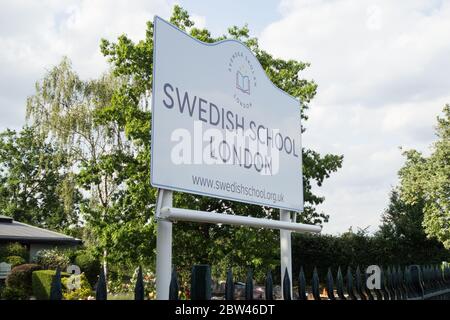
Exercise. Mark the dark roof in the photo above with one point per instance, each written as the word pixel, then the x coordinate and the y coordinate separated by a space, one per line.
pixel 11 230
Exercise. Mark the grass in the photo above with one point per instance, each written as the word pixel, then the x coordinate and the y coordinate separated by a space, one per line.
pixel 121 296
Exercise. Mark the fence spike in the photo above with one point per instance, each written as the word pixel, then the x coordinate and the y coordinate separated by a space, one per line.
pixel 400 284
pixel 446 275
pixel 340 285
pixel 359 284
pixel 269 286
pixel 416 280
pixel 350 291
pixel 315 285
pixel 229 286
pixel 379 293
pixel 201 282
pixel 383 289
pixel 330 285
pixel 174 288
pixel 100 290
pixel 249 285
pixel 56 288
pixel 286 285
pixel 407 282
pixel 366 290
pixel 439 276
pixel 302 285
pixel 139 292
pixel 390 283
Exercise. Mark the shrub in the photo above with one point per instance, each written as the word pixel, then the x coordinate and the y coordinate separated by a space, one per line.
pixel 13 249
pixel 42 282
pixel 15 260
pixel 72 253
pixel 52 259
pixel 2 287
pixel 9 293
pixel 80 289
pixel 89 265
pixel 20 278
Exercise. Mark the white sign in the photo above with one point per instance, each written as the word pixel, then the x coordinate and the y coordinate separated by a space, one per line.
pixel 220 127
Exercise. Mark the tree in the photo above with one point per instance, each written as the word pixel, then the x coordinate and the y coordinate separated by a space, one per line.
pixel 402 220
pixel 72 113
pixel 402 236
pixel 35 185
pixel 213 244
pixel 427 180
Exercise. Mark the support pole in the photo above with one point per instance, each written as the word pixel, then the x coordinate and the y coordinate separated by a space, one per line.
pixel 178 214
pixel 163 246
pixel 285 248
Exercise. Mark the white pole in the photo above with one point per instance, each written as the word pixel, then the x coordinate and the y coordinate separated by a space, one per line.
pixel 179 214
pixel 163 247
pixel 285 248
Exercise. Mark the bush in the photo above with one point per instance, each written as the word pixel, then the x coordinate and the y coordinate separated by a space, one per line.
pixel 13 249
pixel 52 259
pixel 42 282
pixel 20 278
pixel 2 287
pixel 9 293
pixel 80 289
pixel 15 260
pixel 89 265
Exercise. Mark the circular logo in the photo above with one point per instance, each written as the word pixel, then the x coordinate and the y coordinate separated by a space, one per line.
pixel 244 79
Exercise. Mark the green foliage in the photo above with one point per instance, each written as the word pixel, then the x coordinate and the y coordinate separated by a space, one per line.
pixel 426 180
pixel 20 278
pixel 403 221
pixel 89 265
pixel 13 249
pixel 42 281
pixel 81 291
pixel 353 249
pixel 9 293
pixel 15 260
pixel 52 259
pixel 33 179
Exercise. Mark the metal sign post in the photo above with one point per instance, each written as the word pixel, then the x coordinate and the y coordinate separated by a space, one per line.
pixel 166 214
pixel 163 246
pixel 285 249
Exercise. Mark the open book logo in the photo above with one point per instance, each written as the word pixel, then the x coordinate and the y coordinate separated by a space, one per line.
pixel 242 82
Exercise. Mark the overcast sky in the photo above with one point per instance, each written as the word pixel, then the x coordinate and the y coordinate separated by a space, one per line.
pixel 383 70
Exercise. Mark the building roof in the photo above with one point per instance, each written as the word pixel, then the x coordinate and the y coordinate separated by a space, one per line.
pixel 11 230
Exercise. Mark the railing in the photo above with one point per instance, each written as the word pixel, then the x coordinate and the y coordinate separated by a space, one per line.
pixel 411 283
pixel 396 283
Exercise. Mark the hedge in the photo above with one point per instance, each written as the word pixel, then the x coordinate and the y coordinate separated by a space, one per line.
pixel 42 281
pixel 323 251
pixel 20 278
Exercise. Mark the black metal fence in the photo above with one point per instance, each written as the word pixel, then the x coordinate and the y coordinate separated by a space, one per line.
pixel 409 283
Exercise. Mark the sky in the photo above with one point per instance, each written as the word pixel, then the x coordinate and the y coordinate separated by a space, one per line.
pixel 382 69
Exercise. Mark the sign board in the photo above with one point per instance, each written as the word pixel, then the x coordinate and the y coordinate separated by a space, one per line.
pixel 220 127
